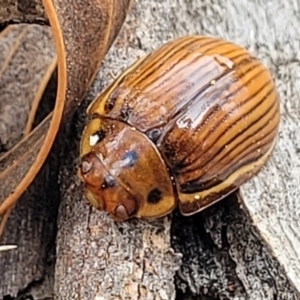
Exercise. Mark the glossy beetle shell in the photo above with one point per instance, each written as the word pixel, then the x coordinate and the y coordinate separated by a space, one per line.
pixel 187 124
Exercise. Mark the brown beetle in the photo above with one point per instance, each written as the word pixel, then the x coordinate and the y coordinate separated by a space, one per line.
pixel 188 123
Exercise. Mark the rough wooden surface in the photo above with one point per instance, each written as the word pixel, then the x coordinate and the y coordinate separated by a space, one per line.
pixel 270 30
pixel 16 11
pixel 97 258
pixel 29 56
pixel 223 256
pixel 26 54
pixel 219 254
pixel 277 212
pixel 32 224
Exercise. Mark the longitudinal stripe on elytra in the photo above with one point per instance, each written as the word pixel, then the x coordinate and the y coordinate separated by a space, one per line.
pixel 191 64
pixel 214 96
pixel 196 184
pixel 211 114
pixel 245 158
pixel 171 62
pixel 212 157
pixel 135 93
pixel 272 109
pixel 195 74
pixel 218 92
pixel 159 86
pixel 161 59
pixel 153 64
pixel 253 148
pixel 177 86
pixel 185 87
pixel 246 140
pixel 214 165
pixel 222 133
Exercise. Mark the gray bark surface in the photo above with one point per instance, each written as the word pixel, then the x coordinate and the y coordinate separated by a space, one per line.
pixel 219 253
pixel 27 11
pixel 270 30
pixel 28 53
pixel 96 257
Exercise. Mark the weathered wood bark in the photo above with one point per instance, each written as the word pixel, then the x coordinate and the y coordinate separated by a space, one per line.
pixel 220 253
pixel 27 11
pixel 223 256
pixel 270 30
pixel 97 258
pixel 28 59
pixel 80 52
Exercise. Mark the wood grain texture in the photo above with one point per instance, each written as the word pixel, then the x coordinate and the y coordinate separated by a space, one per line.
pixel 19 83
pixel 32 226
pixel 226 258
pixel 41 198
pixel 97 258
pixel 271 197
pixel 94 29
pixel 27 11
pixel 223 255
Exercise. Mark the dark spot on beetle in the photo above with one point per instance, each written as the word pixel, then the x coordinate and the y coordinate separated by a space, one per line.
pixel 154 134
pixel 108 182
pixel 111 101
pixel 125 112
pixel 154 196
pixel 169 151
pixel 195 186
pixel 109 105
pixel 130 158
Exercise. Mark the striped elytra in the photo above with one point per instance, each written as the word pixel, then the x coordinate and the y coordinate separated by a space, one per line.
pixel 187 124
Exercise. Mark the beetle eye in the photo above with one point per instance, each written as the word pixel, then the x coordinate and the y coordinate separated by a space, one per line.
pixel 108 182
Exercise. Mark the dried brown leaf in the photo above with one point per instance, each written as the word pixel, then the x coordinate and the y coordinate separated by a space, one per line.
pixel 27 57
pixel 28 60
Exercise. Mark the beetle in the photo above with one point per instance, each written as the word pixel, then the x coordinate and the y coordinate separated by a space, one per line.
pixel 185 125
